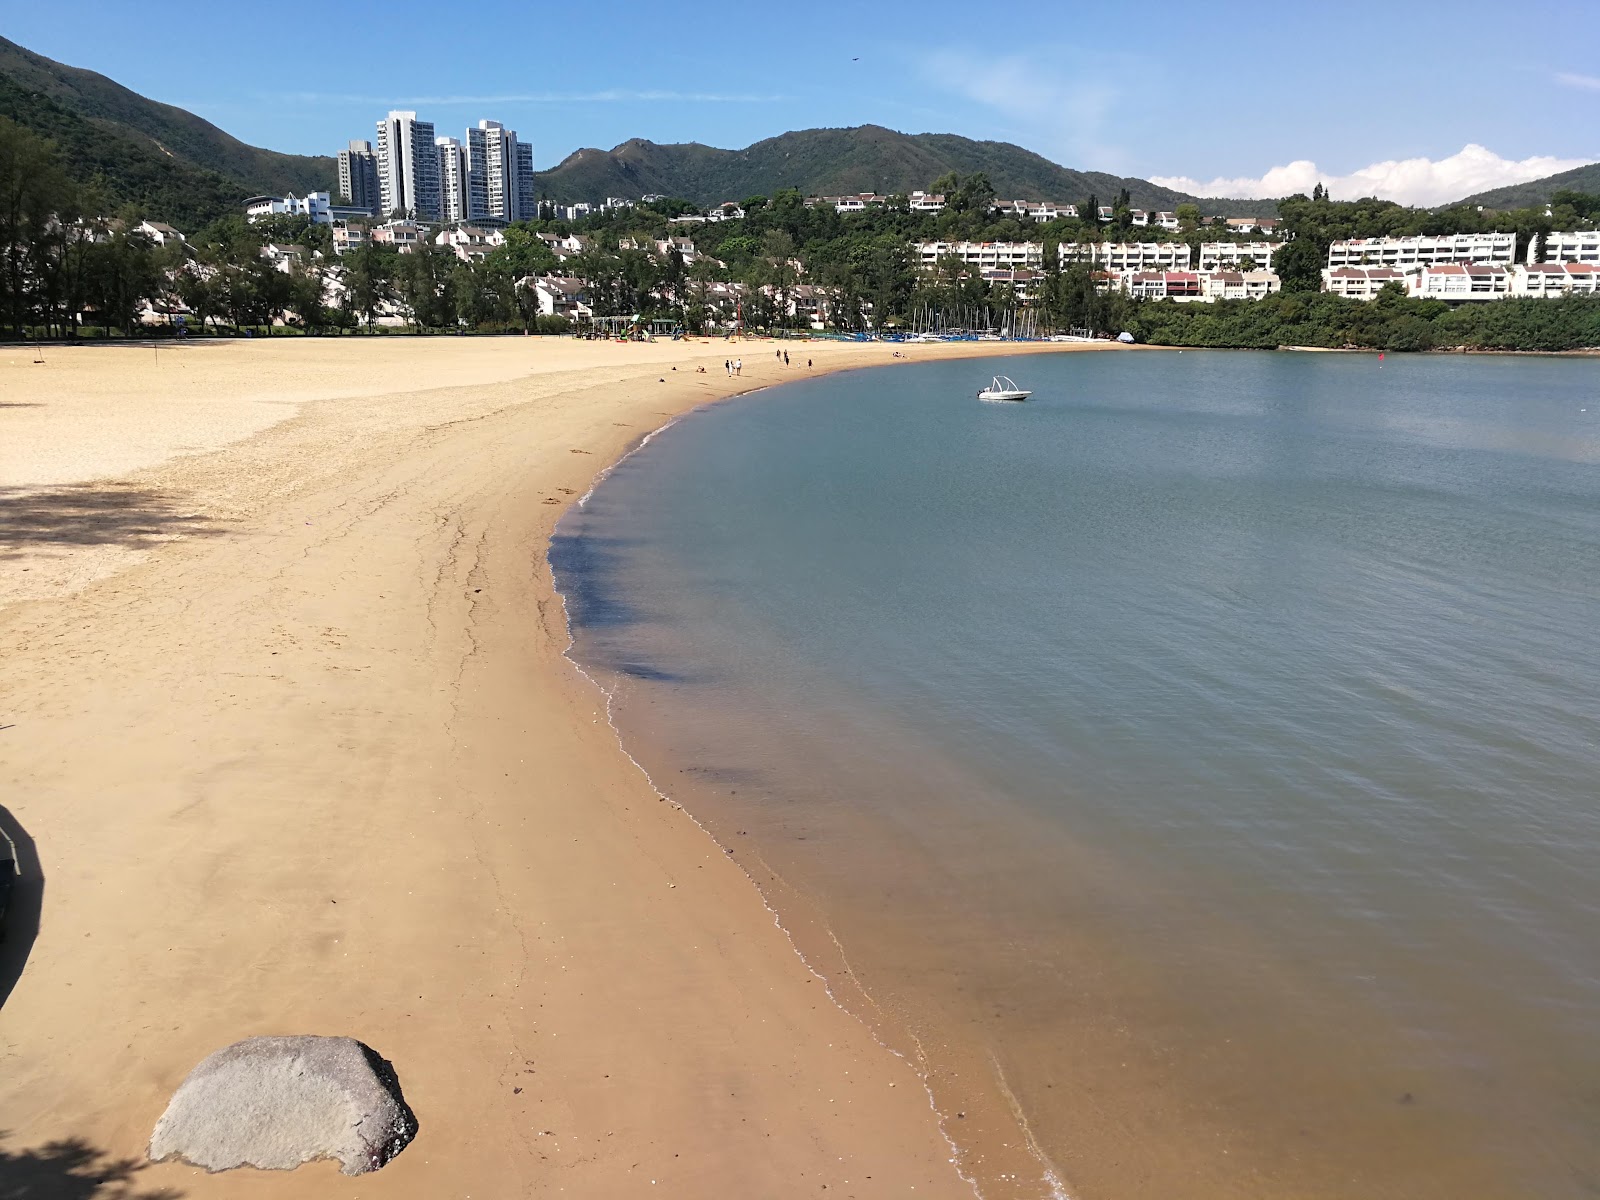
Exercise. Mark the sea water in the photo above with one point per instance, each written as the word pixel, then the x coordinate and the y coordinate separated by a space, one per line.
pixel 1195 769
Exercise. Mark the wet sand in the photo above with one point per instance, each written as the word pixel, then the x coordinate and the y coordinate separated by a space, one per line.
pixel 288 722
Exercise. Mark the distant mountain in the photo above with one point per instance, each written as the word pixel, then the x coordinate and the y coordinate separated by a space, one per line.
pixel 178 167
pixel 1539 191
pixel 162 159
pixel 867 158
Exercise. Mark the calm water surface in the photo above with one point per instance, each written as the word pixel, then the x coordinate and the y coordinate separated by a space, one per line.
pixel 1197 763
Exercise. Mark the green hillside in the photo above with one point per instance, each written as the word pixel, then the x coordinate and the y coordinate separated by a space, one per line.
pixel 1539 191
pixel 163 160
pixel 867 158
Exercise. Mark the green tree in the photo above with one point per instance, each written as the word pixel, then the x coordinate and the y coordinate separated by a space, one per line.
pixel 1299 265
pixel 36 203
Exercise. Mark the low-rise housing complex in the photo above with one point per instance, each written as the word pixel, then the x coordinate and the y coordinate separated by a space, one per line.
pixel 1555 279
pixel 1577 247
pixel 1161 220
pixel 992 255
pixel 1460 281
pixel 1360 283
pixel 1162 285
pixel 1239 285
pixel 1232 256
pixel 1122 257
pixel 1424 250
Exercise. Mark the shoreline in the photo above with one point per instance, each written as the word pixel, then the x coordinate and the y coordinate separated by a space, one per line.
pixel 295 759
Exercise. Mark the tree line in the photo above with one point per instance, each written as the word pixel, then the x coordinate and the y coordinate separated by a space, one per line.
pixel 66 267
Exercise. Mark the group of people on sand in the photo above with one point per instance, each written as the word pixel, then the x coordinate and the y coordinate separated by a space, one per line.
pixel 735 366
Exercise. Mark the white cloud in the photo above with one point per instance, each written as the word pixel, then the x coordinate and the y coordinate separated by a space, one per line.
pixel 1419 181
pixel 1590 83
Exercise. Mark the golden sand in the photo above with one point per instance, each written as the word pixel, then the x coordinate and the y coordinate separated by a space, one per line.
pixel 287 718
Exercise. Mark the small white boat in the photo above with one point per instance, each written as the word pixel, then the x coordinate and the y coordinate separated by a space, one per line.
pixel 1003 389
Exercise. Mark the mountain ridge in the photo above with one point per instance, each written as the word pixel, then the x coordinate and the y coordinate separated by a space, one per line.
pixel 1539 191
pixel 170 163
pixel 141 151
pixel 834 161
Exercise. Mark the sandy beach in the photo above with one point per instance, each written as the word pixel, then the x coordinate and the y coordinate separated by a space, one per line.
pixel 290 745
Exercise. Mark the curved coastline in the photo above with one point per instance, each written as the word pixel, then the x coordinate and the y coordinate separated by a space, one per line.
pixel 1000 1176
pixel 339 782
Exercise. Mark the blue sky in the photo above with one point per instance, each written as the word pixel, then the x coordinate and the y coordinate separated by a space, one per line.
pixel 1218 94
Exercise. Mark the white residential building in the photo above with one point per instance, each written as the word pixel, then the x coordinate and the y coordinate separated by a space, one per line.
pixel 315 205
pixel 1162 285
pixel 1424 251
pixel 1579 247
pixel 1252 224
pixel 926 202
pixel 1239 285
pixel 1460 282
pixel 984 255
pixel 848 204
pixel 1360 283
pixel 160 233
pixel 1551 279
pixel 685 248
pixel 348 236
pixel 455 192
pixel 470 243
pixel 286 258
pixel 403 234
pixel 1230 256
pixel 1122 257
pixel 358 177
pixel 1038 211
pixel 501 166
pixel 560 296
pixel 408 167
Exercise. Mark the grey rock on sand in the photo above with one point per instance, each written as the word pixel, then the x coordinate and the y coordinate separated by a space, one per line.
pixel 278 1102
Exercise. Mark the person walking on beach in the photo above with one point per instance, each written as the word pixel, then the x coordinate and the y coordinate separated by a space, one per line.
pixel 727 365
pixel 786 358
pixel 808 364
pixel 738 366
pixel 777 354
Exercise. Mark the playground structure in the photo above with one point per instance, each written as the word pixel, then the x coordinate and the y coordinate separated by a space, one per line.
pixel 634 328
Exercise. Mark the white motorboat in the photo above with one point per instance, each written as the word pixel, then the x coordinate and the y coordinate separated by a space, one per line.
pixel 1003 389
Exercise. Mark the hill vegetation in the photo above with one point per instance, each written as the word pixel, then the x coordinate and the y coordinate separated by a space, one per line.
pixel 867 158
pixel 161 160
pixel 1539 191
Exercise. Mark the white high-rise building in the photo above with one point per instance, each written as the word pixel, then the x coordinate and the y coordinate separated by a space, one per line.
pixel 502 169
pixel 408 166
pixel 454 181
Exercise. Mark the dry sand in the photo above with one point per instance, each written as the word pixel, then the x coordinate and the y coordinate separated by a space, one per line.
pixel 286 717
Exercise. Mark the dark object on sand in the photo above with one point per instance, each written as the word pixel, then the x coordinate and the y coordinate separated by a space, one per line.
pixel 8 876
pixel 278 1102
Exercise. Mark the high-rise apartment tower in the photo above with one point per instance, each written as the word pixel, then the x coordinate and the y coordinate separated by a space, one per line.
pixel 408 167
pixel 358 177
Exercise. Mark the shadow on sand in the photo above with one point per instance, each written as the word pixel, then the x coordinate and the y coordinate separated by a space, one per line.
pixel 21 903
pixel 72 1170
pixel 92 515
